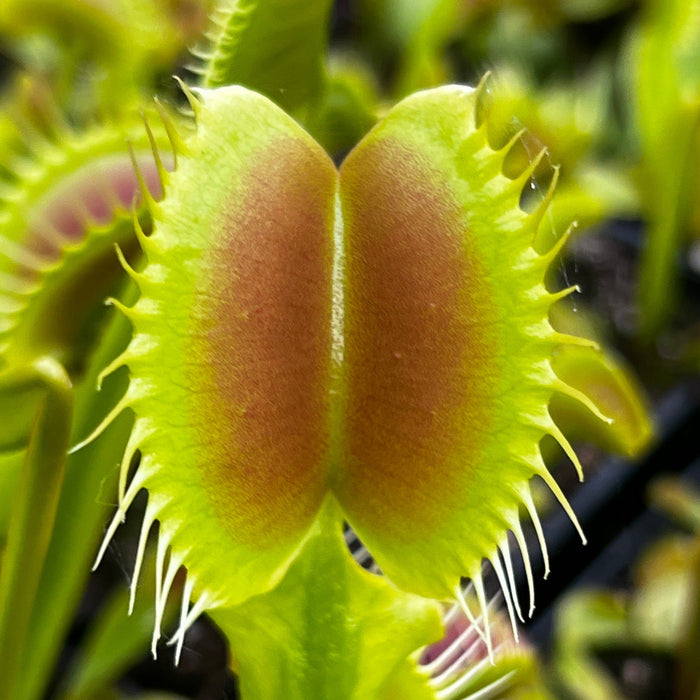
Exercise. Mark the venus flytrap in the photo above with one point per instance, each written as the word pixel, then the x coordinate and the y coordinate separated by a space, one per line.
pixel 312 345
pixel 67 198
pixel 68 204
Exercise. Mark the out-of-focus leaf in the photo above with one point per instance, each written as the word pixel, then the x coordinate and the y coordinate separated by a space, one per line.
pixel 10 471
pixel 347 110
pixel 677 501
pixel 124 42
pixel 88 495
pixel 586 620
pixel 658 613
pixel 154 696
pixel 275 47
pixel 566 121
pixel 610 385
pixel 32 518
pixel 688 675
pixel 22 389
pixel 588 196
pixel 591 10
pixel 664 73
pixel 411 35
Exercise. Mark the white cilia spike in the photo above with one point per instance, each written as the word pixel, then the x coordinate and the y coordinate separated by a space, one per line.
pixel 483 605
pixel 546 259
pixel 146 524
pixel 582 398
pixel 526 496
pixel 195 68
pixel 125 264
pixel 507 558
pixel 163 174
pixel 174 564
pixel 191 97
pixel 461 599
pixel 456 665
pixel 117 363
pixel 482 85
pixel 566 339
pixel 148 198
pixel 177 143
pixel 557 434
pixel 522 546
pixel 443 663
pixel 141 237
pixel 543 206
pixel 186 596
pixel 123 403
pixel 492 690
pixel 115 522
pixel 161 552
pixel 454 609
pixel 553 297
pixel 202 52
pixel 503 583
pixel 463 678
pixel 138 433
pixel 10 304
pixel 518 183
pixel 515 138
pixel 118 518
pixel 122 308
pixel 20 255
pixel 563 501
pixel 203 603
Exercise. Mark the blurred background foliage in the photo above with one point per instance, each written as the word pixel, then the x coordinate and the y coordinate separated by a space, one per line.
pixel 607 90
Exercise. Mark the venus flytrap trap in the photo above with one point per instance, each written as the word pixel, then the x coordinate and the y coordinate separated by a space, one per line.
pixel 69 204
pixel 314 349
pixel 312 346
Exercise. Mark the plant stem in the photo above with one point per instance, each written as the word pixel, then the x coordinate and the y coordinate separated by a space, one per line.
pixel 33 516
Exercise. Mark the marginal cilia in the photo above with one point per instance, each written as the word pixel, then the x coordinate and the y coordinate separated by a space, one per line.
pixel 67 199
pixel 376 335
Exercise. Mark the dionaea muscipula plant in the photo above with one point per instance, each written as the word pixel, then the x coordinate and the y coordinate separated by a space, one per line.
pixel 315 345
pixel 69 203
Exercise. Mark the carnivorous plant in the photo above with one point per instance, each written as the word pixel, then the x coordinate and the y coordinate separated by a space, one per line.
pixel 318 352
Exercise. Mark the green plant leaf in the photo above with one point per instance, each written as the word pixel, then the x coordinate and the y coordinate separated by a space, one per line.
pixel 347 110
pixel 275 47
pixel 329 629
pixel 10 472
pixel 126 42
pixel 587 620
pixel 62 214
pixel 88 493
pixel 22 389
pixel 608 381
pixel 591 194
pixel 616 392
pixel 411 35
pixel 664 74
pixel 32 518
